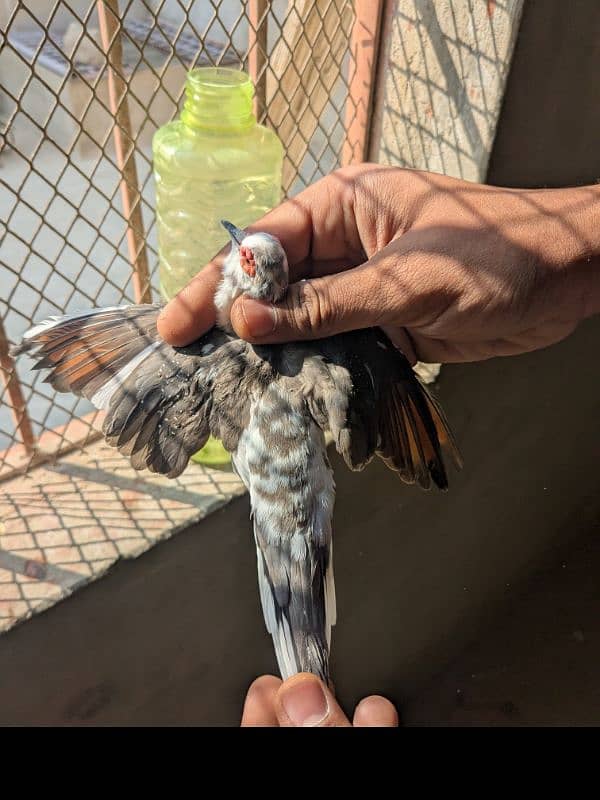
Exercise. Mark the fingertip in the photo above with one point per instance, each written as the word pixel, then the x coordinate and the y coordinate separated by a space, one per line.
pixel 177 332
pixel 168 327
pixel 302 702
pixel 264 683
pixel 375 712
pixel 238 320
pixel 259 706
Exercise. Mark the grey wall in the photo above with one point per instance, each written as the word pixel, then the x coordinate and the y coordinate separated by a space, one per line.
pixel 549 131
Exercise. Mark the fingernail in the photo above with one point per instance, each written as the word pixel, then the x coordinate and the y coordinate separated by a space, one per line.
pixel 305 702
pixel 260 318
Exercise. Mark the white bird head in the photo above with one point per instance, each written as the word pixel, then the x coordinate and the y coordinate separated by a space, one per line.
pixel 257 263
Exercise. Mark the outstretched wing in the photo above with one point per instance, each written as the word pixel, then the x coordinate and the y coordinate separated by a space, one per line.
pixel 365 392
pixel 161 402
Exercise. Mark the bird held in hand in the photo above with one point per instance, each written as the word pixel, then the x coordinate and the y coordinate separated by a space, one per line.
pixel 270 405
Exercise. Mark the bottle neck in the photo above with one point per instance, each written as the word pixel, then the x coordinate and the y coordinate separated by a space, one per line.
pixel 218 100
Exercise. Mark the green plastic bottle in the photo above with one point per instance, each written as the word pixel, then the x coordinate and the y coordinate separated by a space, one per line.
pixel 215 162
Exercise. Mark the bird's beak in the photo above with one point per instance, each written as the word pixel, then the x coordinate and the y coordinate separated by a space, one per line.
pixel 237 235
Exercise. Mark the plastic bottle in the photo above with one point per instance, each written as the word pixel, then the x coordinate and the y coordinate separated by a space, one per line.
pixel 215 162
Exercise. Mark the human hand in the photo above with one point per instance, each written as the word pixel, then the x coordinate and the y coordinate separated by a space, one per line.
pixel 452 271
pixel 303 701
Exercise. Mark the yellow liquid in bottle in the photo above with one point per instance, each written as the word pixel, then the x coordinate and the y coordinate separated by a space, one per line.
pixel 214 162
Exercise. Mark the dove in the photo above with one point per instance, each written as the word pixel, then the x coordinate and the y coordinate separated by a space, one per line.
pixel 271 406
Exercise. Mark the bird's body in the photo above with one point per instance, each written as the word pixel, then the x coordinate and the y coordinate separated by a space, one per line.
pixel 270 405
pixel 282 460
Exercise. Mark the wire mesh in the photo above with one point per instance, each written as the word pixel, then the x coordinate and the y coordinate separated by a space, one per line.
pixel 83 87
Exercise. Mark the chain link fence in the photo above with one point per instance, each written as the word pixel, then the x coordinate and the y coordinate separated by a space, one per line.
pixel 84 86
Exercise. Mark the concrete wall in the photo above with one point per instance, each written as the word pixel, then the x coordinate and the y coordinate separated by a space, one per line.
pixel 443 69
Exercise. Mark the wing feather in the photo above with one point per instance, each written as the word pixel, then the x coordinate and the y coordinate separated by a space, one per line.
pixel 159 400
pixel 387 410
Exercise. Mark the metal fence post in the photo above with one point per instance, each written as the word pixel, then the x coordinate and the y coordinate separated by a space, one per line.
pixel 17 401
pixel 364 48
pixel 257 53
pixel 110 34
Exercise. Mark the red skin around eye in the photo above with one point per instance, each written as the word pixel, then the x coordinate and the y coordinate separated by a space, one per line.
pixel 247 261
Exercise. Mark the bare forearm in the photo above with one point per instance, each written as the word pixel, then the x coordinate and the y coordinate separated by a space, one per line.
pixel 572 245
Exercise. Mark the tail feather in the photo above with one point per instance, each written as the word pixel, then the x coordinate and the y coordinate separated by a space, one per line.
pixel 298 614
pixel 330 598
pixel 277 623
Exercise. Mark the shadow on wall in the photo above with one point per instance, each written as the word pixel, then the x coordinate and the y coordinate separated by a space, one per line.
pixel 448 103
pixel 442 79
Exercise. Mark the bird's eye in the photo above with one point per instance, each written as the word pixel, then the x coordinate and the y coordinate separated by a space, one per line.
pixel 247 262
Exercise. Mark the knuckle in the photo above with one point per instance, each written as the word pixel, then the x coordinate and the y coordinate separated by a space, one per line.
pixel 311 309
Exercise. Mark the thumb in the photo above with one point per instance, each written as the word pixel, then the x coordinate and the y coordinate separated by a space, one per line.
pixel 313 309
pixel 305 702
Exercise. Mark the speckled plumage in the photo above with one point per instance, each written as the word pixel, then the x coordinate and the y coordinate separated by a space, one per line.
pixel 270 406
